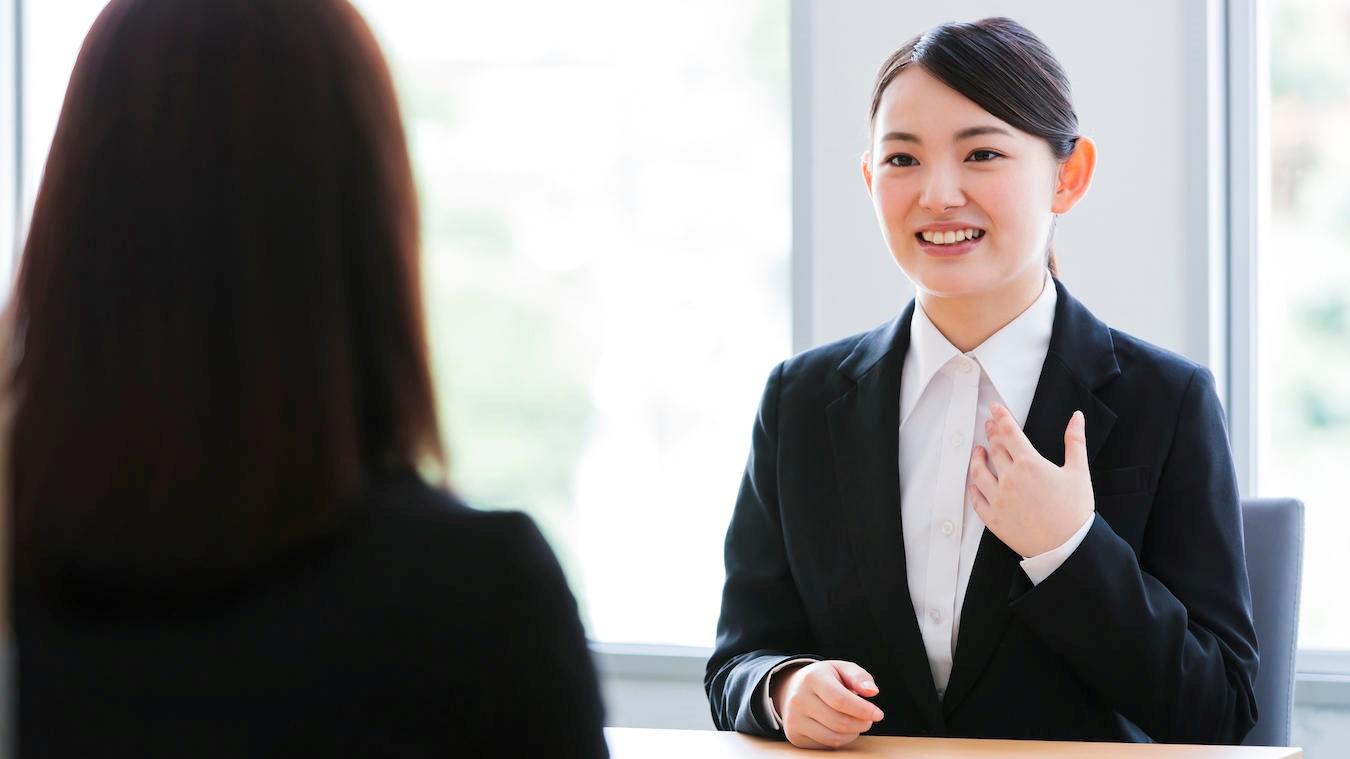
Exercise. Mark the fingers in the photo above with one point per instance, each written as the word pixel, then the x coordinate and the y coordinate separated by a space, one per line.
pixel 846 702
pixel 999 458
pixel 811 734
pixel 981 478
pixel 979 501
pixel 800 740
pixel 823 735
pixel 834 719
pixel 826 712
pixel 855 678
pixel 1003 430
pixel 1075 442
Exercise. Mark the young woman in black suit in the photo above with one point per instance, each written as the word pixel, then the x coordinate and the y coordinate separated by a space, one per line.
pixel 993 516
pixel 222 542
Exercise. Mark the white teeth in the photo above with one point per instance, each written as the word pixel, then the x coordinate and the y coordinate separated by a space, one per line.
pixel 947 238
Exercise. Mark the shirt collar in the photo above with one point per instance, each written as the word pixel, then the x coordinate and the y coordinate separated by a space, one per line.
pixel 1011 358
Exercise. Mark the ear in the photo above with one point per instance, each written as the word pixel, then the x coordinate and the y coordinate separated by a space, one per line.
pixel 1075 174
pixel 867 170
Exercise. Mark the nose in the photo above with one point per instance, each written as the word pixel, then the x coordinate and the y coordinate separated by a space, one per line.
pixel 942 191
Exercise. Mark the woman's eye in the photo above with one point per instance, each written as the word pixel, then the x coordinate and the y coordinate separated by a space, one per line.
pixel 901 159
pixel 989 156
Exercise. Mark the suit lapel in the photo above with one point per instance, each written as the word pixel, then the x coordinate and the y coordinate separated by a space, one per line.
pixel 865 439
pixel 1080 360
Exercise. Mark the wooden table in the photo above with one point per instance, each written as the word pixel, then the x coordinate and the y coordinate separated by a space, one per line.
pixel 635 743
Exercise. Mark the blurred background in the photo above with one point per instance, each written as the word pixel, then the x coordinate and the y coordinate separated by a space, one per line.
pixel 632 210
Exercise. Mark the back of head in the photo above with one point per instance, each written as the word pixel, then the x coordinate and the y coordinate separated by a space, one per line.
pixel 219 305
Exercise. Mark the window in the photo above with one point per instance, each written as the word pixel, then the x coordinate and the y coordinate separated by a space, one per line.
pixel 606 209
pixel 1303 284
pixel 52 35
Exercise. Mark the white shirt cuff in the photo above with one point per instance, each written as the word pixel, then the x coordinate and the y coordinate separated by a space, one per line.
pixel 775 720
pixel 1043 565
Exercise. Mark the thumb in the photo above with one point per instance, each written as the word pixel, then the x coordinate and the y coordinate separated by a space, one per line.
pixel 1075 442
pixel 855 678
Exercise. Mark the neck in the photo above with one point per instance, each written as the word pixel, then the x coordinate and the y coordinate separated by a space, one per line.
pixel 968 320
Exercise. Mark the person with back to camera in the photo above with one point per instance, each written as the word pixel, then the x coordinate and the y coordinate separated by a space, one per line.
pixel 994 516
pixel 223 541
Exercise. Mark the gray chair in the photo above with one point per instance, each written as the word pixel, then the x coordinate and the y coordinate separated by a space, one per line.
pixel 1273 529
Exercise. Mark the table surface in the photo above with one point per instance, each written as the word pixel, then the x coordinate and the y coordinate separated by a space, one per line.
pixel 637 743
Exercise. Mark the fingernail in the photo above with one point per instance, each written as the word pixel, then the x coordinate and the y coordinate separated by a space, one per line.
pixel 869 685
pixel 879 716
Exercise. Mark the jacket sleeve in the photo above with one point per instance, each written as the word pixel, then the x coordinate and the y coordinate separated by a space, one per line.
pixel 1166 638
pixel 553 705
pixel 763 621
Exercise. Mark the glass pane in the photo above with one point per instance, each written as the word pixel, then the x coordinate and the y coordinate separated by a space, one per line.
pixel 1304 286
pixel 52 35
pixel 606 211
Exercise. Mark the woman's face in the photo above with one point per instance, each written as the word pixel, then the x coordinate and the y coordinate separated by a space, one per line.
pixel 939 163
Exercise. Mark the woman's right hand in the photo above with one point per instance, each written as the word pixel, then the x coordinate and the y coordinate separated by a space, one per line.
pixel 822 704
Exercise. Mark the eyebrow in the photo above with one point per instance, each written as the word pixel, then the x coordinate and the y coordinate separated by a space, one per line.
pixel 964 134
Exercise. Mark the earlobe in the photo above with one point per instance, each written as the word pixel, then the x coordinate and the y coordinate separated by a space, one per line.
pixel 1075 175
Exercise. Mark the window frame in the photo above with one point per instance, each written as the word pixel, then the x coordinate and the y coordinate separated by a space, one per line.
pixel 1322 676
pixel 11 133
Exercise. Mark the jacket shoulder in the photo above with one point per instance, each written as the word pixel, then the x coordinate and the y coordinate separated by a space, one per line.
pixel 818 367
pixel 1145 361
pixel 426 519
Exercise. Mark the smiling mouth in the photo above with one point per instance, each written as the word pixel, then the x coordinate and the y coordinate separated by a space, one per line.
pixel 953 237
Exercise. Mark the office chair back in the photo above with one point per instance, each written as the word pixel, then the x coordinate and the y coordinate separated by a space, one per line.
pixel 1274 541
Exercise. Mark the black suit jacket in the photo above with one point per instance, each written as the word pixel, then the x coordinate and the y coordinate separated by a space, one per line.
pixel 423 629
pixel 1144 632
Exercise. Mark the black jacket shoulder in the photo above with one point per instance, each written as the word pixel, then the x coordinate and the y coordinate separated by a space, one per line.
pixel 423 628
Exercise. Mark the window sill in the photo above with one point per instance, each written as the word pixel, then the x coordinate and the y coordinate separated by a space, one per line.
pixel 1323 679
pixel 639 661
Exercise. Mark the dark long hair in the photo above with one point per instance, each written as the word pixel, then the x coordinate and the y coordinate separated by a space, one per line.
pixel 1000 66
pixel 220 332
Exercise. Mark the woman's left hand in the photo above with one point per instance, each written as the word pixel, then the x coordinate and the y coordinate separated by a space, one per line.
pixel 1031 505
